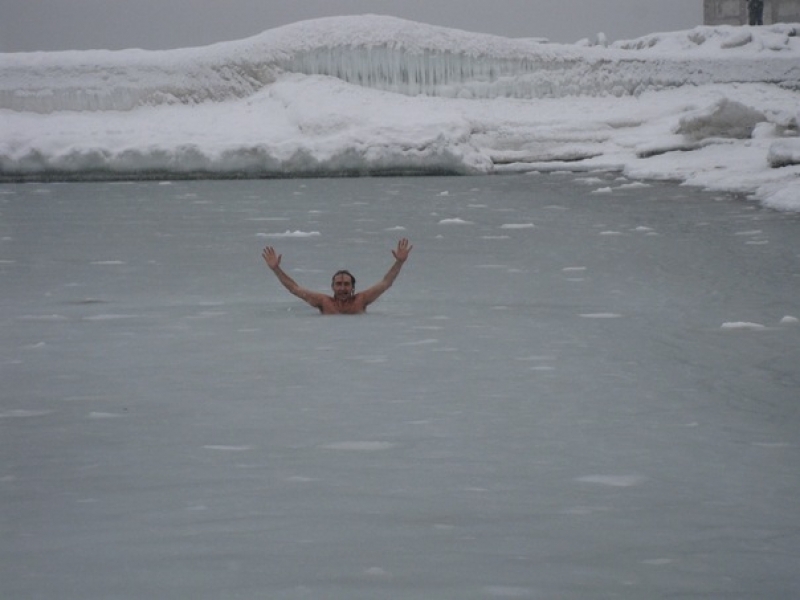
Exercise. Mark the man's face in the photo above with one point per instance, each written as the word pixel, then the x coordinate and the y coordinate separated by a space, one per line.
pixel 342 286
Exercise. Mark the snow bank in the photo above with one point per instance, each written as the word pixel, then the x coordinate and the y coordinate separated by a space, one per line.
pixel 393 54
pixel 713 106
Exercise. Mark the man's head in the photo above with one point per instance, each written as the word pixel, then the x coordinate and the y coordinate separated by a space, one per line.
pixel 343 284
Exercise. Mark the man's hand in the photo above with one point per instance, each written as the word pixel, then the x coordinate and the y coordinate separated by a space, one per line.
pixel 272 259
pixel 402 252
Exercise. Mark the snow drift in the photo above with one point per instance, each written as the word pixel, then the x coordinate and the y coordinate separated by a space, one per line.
pixel 371 94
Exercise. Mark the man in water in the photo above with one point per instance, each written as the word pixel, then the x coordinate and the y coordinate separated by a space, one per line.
pixel 345 300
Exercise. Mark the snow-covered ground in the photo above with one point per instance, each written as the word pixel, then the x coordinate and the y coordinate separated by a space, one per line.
pixel 715 107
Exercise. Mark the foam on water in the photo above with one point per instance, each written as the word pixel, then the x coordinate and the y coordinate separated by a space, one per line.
pixel 743 325
pixel 21 413
pixel 290 234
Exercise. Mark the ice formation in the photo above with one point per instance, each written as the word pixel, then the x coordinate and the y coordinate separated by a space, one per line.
pixel 395 55
pixel 373 94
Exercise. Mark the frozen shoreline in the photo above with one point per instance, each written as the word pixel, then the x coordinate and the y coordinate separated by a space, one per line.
pixel 714 107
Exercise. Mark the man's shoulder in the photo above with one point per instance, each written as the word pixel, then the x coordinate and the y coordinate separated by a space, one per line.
pixel 360 299
pixel 324 299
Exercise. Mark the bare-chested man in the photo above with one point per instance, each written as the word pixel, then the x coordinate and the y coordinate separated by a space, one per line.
pixel 345 300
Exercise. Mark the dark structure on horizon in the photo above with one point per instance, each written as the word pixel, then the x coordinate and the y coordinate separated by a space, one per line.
pixel 734 12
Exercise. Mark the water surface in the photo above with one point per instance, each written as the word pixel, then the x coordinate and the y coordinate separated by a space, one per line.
pixel 566 394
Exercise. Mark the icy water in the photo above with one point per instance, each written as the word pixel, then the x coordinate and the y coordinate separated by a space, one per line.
pixel 566 395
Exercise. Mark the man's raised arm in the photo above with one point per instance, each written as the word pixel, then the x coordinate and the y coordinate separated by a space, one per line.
pixel 273 261
pixel 400 255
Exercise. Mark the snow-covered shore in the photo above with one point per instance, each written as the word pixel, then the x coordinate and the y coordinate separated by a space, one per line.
pixel 716 107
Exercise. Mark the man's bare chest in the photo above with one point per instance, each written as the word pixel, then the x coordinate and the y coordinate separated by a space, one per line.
pixel 343 307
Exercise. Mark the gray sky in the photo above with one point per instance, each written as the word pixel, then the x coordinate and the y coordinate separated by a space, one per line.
pixel 29 25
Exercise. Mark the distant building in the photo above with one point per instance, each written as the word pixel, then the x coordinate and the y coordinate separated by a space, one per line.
pixel 734 12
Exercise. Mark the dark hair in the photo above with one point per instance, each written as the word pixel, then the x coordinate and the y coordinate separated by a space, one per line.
pixel 344 272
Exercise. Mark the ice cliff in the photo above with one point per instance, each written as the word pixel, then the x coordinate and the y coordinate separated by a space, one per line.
pixel 713 106
pixel 395 55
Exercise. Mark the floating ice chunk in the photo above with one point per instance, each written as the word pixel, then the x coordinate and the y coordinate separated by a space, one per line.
pixel 424 342
pixel 743 325
pixel 781 197
pixel 455 221
pixel 634 185
pixel 573 269
pixel 395 228
pixel 603 190
pixel 517 226
pixel 289 234
pixel 20 413
pixel 790 320
pixel 109 317
pixel 610 233
pixel 613 480
pixel 107 262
